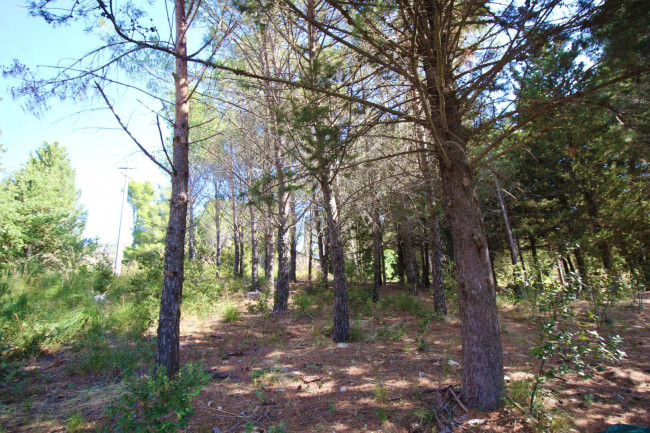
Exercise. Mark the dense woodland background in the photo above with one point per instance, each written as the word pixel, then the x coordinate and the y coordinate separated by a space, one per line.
pixel 386 172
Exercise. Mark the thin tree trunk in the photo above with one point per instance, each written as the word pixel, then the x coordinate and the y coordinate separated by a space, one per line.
pixel 310 245
pixel 168 345
pixel 582 267
pixel 506 220
pixel 409 256
pixel 565 264
pixel 255 284
pixel 382 255
pixel 424 253
pixel 217 223
pixel 341 331
pixel 533 251
pixel 191 239
pixel 435 262
pixel 235 230
pixel 521 254
pixel 572 268
pixel 376 251
pixel 269 250
pixel 281 296
pixel 435 249
pixel 322 248
pixel 560 274
pixel 294 241
pixel 241 254
pixel 400 255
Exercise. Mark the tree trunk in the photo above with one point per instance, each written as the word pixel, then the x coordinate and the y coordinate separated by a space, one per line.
pixel 582 267
pixel 482 358
pixel 409 255
pixel 241 254
pixel 294 241
pixel 322 248
pixel 435 263
pixel 506 220
pixel 341 332
pixel 281 296
pixel 217 223
pixel 424 253
pixel 533 252
pixel 310 245
pixel 382 255
pixel 376 254
pixel 521 255
pixel 235 230
pixel 400 254
pixel 191 239
pixel 255 284
pixel 269 250
pixel 168 345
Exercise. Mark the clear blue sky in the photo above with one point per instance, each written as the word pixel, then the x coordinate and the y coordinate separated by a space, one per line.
pixel 96 145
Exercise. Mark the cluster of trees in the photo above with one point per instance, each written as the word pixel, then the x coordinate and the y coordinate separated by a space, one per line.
pixel 365 126
pixel 41 219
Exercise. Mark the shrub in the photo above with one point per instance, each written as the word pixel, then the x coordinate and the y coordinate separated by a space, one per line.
pixel 303 303
pixel 230 313
pixel 155 403
pixel 572 349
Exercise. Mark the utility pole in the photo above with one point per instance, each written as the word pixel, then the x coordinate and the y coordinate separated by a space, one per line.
pixel 117 266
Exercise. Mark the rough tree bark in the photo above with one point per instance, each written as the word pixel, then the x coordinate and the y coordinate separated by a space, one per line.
pixel 424 253
pixel 399 245
pixel 376 253
pixel 293 241
pixel 269 251
pixel 341 332
pixel 255 284
pixel 309 243
pixel 217 224
pixel 235 228
pixel 241 253
pixel 409 255
pixel 322 248
pixel 281 296
pixel 168 345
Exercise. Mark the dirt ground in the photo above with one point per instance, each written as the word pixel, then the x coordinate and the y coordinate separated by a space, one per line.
pixel 282 370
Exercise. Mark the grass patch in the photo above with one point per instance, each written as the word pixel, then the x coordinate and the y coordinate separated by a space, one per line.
pixel 230 313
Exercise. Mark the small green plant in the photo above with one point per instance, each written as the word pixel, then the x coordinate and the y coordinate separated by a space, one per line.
pixel 382 414
pixel 261 394
pixel 381 394
pixel 230 313
pixel 265 375
pixel 425 415
pixel 333 406
pixel 391 333
pixel 573 349
pixel 280 428
pixel 356 332
pixel 589 398
pixel 422 344
pixel 156 403
pixel 74 424
pixel 303 303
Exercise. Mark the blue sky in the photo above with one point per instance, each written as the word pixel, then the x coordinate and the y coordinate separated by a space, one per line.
pixel 96 145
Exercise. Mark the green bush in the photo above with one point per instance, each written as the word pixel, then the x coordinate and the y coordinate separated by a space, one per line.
pixel 155 403
pixel 230 313
pixel 303 303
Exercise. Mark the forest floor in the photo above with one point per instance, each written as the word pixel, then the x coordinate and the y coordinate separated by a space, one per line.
pixel 281 373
